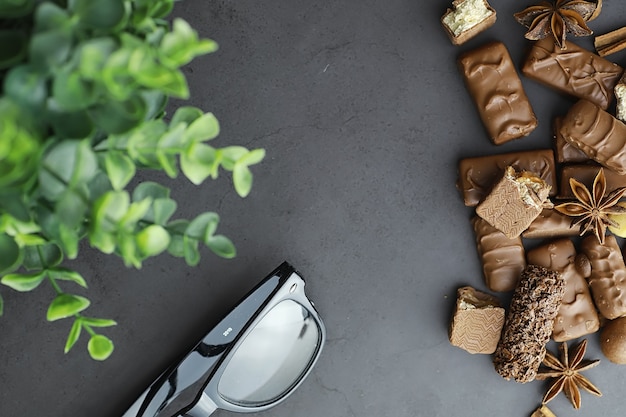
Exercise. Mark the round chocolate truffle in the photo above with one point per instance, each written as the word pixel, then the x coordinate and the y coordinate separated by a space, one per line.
pixel 613 340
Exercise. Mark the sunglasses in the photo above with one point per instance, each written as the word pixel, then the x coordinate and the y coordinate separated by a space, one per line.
pixel 251 361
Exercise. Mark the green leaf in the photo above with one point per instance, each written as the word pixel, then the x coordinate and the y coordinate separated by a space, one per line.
pixel 101 14
pixel 68 239
pixel 67 164
pixel 177 231
pixel 253 157
pixel 13 203
pixel 71 208
pixel 161 211
pixel 50 16
pixel 42 257
pixel 100 347
pixel 24 282
pixel 185 115
pixel 66 274
pixel 181 45
pixel 93 54
pixel 222 246
pixel 198 162
pixel 94 322
pixel 190 251
pixel 136 212
pixel 203 227
pixel 72 338
pixel 109 210
pixel 128 250
pixel 50 49
pixel 150 189
pixel 11 254
pixel 68 125
pixel 231 154
pixel 71 92
pixel 105 241
pixel 242 179
pixel 27 86
pixel 156 102
pixel 66 305
pixel 205 127
pixel 30 240
pixel 120 168
pixel 119 116
pixel 152 240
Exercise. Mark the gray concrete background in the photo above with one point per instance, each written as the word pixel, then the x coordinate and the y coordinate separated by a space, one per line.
pixel 364 117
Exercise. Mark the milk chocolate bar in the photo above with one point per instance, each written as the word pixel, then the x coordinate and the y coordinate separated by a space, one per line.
pixel 574 71
pixel 566 153
pixel 577 315
pixel 608 275
pixel 597 133
pixel 514 202
pixel 586 174
pixel 477 321
pixel 466 19
pixel 478 175
pixel 549 224
pixel 493 83
pixel 503 259
pixel 529 323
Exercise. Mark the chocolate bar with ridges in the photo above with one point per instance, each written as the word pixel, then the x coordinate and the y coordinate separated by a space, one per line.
pixel 478 175
pixel 493 83
pixel 597 133
pixel 586 173
pixel 566 153
pixel 608 275
pixel 503 259
pixel 577 315
pixel 549 224
pixel 573 71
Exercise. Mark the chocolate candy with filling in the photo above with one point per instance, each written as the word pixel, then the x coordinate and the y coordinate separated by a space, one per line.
pixel 574 71
pixel 577 315
pixel 466 19
pixel 597 133
pixel 549 224
pixel 503 259
pixel 514 202
pixel 586 173
pixel 613 340
pixel 493 83
pixel 608 275
pixel 529 323
pixel 566 153
pixel 477 321
pixel 478 175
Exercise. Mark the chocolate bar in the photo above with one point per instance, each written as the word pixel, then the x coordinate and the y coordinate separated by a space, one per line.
pixel 549 224
pixel 598 134
pixel 529 323
pixel 608 275
pixel 493 83
pixel 514 202
pixel 503 259
pixel 574 71
pixel 466 19
pixel 477 321
pixel 586 174
pixel 577 315
pixel 478 175
pixel 565 151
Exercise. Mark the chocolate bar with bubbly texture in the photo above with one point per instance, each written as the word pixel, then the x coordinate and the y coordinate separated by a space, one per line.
pixel 503 259
pixel 477 321
pixel 586 173
pixel 608 275
pixel 529 323
pixel 478 175
pixel 493 83
pixel 577 315
pixel 514 202
pixel 597 133
pixel 549 224
pixel 574 71
pixel 566 153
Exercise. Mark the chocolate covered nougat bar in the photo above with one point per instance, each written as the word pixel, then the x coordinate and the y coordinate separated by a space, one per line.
pixel 529 323
pixel 503 259
pixel 492 80
pixel 577 315
pixel 566 153
pixel 574 71
pixel 608 275
pixel 586 173
pixel 597 133
pixel 549 224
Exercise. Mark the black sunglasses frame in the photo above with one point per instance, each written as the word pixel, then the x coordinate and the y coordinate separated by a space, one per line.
pixel 190 386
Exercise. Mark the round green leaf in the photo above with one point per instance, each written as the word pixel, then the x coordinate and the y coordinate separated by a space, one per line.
pixel 72 338
pixel 161 211
pixel 190 251
pixel 14 47
pixel 93 54
pixel 120 169
pixel 253 157
pixel 101 14
pixel 71 92
pixel 27 86
pixel 100 347
pixel 69 125
pixel 186 115
pixel 24 282
pixel 66 274
pixel 242 179
pixel 50 48
pixel 198 162
pixel 67 164
pixel 71 208
pixel 10 253
pixel 150 189
pixel 203 227
pixel 66 305
pixel 205 127
pixel 119 116
pixel 152 240
pixel 41 257
pixel 222 246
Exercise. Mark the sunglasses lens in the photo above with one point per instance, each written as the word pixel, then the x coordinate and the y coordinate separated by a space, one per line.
pixel 273 357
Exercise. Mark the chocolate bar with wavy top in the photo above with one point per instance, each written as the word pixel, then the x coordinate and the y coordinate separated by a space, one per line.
pixel 597 133
pixel 493 83
pixel 549 224
pixel 503 259
pixel 573 71
pixel 577 315
pixel 478 175
pixel 608 275
pixel 586 173
pixel 566 153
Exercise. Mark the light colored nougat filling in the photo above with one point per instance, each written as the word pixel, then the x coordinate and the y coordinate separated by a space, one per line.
pixel 467 15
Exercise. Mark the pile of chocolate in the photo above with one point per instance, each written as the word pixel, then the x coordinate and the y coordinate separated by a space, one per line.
pixel 559 291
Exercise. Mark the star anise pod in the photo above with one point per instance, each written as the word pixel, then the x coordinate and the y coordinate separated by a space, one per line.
pixel 557 18
pixel 566 373
pixel 594 207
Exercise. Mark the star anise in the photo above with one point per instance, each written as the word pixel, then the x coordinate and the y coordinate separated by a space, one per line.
pixel 594 207
pixel 566 373
pixel 557 18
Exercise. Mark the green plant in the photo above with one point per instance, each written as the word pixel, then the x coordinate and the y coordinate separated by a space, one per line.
pixel 84 88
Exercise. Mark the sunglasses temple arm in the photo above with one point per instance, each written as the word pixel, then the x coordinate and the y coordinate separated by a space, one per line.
pixel 203 408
